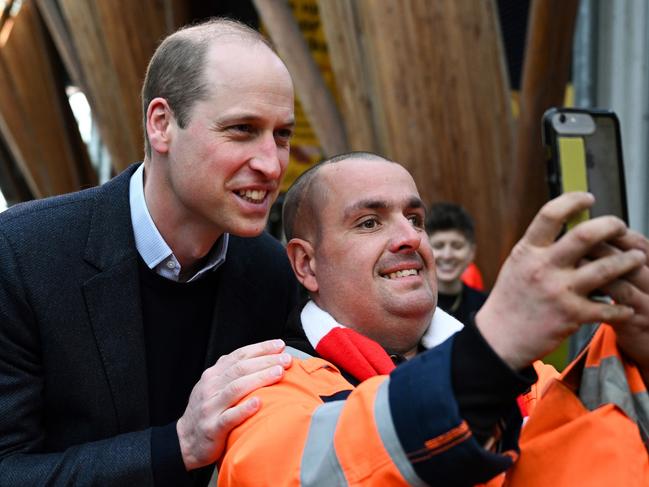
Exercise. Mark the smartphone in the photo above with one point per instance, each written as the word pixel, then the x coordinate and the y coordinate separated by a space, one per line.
pixel 584 150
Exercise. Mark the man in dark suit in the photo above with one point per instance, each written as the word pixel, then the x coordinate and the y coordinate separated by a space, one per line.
pixel 117 302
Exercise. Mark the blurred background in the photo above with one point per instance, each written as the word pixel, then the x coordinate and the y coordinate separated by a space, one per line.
pixel 452 89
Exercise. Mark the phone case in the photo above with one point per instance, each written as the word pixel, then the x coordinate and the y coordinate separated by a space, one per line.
pixel 585 157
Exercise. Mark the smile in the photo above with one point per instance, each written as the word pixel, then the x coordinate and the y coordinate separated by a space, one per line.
pixel 403 273
pixel 252 195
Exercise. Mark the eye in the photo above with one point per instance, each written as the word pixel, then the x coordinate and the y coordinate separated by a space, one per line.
pixel 416 220
pixel 370 223
pixel 283 136
pixel 242 128
pixel 284 133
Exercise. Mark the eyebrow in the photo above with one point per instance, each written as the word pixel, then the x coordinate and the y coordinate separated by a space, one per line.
pixel 248 118
pixel 376 204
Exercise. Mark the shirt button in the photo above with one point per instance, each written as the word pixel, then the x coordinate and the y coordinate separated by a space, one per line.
pixel 171 264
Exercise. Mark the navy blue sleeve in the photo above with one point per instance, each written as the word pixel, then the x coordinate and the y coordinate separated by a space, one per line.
pixel 429 420
pixel 485 387
pixel 167 461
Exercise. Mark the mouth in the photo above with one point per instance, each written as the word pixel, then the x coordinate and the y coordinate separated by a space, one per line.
pixel 252 195
pixel 446 267
pixel 400 273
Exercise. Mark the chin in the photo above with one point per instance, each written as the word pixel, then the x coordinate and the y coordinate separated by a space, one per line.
pixel 249 230
pixel 417 310
pixel 448 281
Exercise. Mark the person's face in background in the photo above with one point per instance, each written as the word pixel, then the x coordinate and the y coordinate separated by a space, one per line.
pixel 453 253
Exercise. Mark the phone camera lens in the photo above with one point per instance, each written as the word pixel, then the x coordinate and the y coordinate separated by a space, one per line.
pixel 562 118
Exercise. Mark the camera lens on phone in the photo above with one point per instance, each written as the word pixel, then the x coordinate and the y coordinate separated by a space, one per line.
pixel 562 118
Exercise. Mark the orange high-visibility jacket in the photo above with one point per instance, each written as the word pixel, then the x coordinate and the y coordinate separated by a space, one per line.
pixel 591 426
pixel 303 435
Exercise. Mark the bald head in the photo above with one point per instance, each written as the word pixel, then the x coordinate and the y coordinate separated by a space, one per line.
pixel 306 197
pixel 176 71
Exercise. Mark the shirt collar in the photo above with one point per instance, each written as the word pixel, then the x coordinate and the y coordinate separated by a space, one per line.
pixel 317 323
pixel 152 247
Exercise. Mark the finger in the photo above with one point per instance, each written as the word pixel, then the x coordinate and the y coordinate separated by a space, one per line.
pixel 217 376
pixel 236 415
pixel 268 347
pixel 638 277
pixel 597 312
pixel 219 427
pixel 549 221
pixel 582 239
pixel 632 240
pixel 623 291
pixel 603 271
pixel 236 390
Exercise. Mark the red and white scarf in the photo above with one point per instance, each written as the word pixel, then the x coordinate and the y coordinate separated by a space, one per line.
pixel 357 354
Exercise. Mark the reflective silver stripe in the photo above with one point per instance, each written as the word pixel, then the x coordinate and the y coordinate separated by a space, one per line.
pixel 641 401
pixel 607 384
pixel 320 465
pixel 295 353
pixel 388 433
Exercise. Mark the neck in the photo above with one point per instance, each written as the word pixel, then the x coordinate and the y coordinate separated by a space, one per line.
pixel 452 288
pixel 189 239
pixel 411 353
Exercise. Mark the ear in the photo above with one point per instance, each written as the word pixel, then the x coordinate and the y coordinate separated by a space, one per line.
pixel 302 258
pixel 159 119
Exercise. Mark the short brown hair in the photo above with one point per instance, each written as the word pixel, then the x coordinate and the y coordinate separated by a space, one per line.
pixel 175 71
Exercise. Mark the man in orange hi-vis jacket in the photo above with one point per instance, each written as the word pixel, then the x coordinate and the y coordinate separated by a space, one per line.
pixel 448 414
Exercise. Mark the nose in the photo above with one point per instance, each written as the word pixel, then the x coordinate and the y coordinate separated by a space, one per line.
pixel 444 252
pixel 266 159
pixel 405 238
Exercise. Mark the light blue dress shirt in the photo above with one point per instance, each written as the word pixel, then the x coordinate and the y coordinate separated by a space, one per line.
pixel 152 247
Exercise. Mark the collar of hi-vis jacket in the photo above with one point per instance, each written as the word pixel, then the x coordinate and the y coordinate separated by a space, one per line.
pixel 360 356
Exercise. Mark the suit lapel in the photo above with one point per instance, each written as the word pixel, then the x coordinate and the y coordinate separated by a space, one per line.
pixel 114 303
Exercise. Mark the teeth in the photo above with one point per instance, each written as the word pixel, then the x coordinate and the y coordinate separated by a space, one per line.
pixel 253 195
pixel 403 273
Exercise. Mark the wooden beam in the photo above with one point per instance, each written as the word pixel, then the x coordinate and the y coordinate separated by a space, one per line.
pixel 114 40
pixel 340 20
pixel 37 124
pixel 546 71
pixel 317 101
pixel 51 14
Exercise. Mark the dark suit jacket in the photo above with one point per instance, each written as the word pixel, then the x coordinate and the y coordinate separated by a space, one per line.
pixel 73 378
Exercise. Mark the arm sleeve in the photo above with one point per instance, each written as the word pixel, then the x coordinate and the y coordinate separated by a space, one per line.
pixel 485 387
pixel 442 446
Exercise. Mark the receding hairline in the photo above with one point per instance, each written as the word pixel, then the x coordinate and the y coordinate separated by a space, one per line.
pixel 308 194
pixel 216 29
